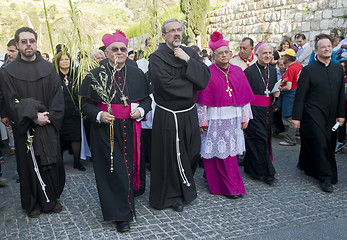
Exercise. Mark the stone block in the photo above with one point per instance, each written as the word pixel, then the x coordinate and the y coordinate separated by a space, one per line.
pixel 327 13
pixel 339 3
pixel 332 3
pixel 315 26
pixel 324 24
pixel 298 16
pixel 312 35
pixel 313 6
pixel 338 12
pixel 267 17
pixel 318 15
pixel 306 26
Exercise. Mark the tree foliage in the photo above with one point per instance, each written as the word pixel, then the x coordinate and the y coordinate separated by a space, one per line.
pixel 195 12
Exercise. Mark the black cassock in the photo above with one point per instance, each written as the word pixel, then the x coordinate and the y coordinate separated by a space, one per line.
pixel 116 190
pixel 28 88
pixel 175 84
pixel 258 157
pixel 319 100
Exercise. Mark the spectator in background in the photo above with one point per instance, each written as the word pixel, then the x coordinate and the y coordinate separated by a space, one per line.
pixel 98 55
pixel 284 45
pixel 45 56
pixel 70 132
pixel 131 54
pixel 304 49
pixel 245 57
pixel 289 39
pixel 341 49
pixel 277 115
pixel 288 90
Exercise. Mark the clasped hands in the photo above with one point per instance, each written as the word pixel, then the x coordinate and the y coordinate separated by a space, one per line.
pixel 106 117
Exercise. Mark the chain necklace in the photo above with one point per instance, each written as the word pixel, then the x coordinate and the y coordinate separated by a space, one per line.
pixel 267 92
pixel 228 90
pixel 123 98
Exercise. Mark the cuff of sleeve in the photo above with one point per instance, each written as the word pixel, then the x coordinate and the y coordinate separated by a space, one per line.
pixel 98 117
pixel 142 111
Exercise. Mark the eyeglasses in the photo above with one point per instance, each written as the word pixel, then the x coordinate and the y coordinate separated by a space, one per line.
pixel 115 49
pixel 27 41
pixel 173 30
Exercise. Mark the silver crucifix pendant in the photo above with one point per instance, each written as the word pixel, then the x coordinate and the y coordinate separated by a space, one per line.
pixel 124 99
pixel 267 92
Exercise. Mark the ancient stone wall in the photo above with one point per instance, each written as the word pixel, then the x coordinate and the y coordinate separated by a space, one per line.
pixel 271 19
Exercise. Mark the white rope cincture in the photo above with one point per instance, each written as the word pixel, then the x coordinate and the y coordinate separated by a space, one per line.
pixel 178 152
pixel 36 169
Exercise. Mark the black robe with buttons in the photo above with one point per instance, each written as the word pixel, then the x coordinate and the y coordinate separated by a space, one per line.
pixel 116 191
pixel 258 157
pixel 319 100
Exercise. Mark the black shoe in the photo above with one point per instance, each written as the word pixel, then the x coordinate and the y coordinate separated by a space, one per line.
pixel 79 166
pixel 326 187
pixel 270 180
pixel 233 196
pixel 34 213
pixel 178 207
pixel 123 226
pixel 239 161
pixel 299 167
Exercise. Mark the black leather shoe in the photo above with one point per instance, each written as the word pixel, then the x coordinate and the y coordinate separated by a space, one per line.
pixel 123 226
pixel 270 180
pixel 233 196
pixel 326 187
pixel 178 207
pixel 79 166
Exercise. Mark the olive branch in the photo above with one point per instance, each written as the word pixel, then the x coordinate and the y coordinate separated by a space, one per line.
pixel 102 88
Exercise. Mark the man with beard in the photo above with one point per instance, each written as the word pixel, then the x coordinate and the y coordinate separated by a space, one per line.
pixel 118 177
pixel 245 57
pixel 262 78
pixel 318 106
pixel 34 103
pixel 177 73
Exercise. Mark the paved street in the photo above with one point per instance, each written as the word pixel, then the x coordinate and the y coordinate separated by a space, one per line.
pixel 294 208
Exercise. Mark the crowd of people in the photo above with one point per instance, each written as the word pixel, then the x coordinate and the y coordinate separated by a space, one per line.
pixel 169 111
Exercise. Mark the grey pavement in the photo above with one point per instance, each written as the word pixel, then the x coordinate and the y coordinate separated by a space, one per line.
pixel 294 208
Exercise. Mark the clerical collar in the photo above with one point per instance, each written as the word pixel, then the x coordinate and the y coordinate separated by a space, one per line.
pixel 247 60
pixel 325 64
pixel 261 66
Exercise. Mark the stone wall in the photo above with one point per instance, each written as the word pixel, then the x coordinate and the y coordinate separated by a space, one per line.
pixel 271 19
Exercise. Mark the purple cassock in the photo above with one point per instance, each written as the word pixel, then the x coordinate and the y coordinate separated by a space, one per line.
pixel 222 107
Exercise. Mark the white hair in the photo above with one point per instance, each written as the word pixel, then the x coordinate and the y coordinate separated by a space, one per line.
pixel 96 52
pixel 263 45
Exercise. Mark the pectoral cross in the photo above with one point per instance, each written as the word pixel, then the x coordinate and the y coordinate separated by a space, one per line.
pixel 229 90
pixel 124 99
pixel 267 92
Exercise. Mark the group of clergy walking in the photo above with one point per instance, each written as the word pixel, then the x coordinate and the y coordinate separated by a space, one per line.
pixel 215 112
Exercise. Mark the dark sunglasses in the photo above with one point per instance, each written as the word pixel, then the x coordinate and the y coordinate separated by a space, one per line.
pixel 115 49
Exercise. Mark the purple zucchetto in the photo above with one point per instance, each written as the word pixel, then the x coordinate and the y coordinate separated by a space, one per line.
pixel 217 41
pixel 118 36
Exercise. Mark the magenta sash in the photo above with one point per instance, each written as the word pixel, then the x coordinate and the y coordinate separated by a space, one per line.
pixel 261 101
pixel 119 111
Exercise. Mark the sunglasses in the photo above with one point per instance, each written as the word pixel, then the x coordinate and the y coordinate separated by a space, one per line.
pixel 115 49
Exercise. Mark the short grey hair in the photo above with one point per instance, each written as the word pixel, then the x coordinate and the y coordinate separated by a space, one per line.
pixel 263 45
pixel 96 52
pixel 163 30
